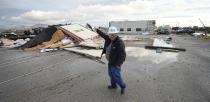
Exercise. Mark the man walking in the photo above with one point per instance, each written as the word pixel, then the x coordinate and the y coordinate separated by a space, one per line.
pixel 114 49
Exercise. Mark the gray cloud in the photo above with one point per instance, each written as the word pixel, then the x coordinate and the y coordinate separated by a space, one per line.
pixel 95 11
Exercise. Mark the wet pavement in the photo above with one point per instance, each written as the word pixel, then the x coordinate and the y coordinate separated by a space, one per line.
pixel 150 76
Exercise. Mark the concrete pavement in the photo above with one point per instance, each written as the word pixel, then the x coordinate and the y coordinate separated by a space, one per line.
pixel 150 77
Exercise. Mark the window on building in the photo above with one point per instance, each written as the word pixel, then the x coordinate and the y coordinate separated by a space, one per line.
pixel 138 29
pixel 121 29
pixel 128 29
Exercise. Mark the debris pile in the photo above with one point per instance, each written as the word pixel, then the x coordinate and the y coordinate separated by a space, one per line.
pixel 58 35
pixel 73 37
pixel 44 36
pixel 7 43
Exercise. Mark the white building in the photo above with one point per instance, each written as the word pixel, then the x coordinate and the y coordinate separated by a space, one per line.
pixel 134 27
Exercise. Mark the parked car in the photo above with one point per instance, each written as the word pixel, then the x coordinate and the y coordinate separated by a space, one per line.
pixel 163 32
pixel 187 31
pixel 173 31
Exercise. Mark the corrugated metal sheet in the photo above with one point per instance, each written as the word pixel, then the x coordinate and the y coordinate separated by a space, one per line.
pixel 78 32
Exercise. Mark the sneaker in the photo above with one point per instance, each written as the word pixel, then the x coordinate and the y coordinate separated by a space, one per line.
pixel 112 87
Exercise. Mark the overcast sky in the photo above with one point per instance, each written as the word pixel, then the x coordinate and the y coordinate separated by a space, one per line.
pixel 100 12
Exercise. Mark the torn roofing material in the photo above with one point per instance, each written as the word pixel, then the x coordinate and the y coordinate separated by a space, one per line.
pixel 44 36
pixel 57 36
pixel 78 32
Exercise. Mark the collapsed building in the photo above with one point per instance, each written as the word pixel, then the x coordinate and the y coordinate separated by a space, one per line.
pixel 74 37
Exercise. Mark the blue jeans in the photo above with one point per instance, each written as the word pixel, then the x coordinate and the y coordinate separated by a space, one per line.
pixel 115 77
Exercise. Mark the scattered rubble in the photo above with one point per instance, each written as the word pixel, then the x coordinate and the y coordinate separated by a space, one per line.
pixel 74 38
pixel 58 35
pixel 50 50
pixel 44 36
pixel 13 43
pixel 78 39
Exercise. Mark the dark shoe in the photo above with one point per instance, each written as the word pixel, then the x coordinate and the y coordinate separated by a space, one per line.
pixel 112 87
pixel 122 91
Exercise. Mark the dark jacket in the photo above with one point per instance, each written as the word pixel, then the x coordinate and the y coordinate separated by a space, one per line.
pixel 117 53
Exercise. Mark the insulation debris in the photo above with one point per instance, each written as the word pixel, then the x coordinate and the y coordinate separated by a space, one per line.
pixel 57 36
pixel 44 36
pixel 93 43
pixel 13 43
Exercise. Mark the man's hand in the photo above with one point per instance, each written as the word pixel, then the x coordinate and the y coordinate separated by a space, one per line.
pixel 99 57
pixel 95 29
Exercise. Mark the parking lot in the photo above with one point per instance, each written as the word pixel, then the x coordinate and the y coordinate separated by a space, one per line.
pixel 62 76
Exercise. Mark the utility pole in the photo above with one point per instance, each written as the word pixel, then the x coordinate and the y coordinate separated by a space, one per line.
pixel 203 26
